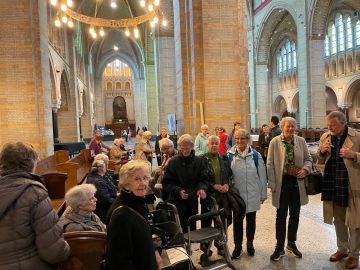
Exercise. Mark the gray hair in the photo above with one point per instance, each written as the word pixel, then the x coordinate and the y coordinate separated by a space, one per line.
pixel 204 126
pixel 98 164
pixel 165 141
pixel 129 169
pixel 102 157
pixel 79 195
pixel 212 138
pixel 340 117
pixel 288 119
pixel 146 133
pixel 186 139
pixel 116 141
pixel 242 133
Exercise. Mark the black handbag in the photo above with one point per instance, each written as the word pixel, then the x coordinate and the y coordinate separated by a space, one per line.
pixel 313 182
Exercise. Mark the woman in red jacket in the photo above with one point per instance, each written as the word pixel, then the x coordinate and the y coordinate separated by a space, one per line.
pixel 223 137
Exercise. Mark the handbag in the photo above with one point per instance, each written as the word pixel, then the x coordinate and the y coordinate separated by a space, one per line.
pixel 313 182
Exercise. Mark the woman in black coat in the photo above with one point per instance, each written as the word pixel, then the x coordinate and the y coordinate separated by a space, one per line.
pixel 129 238
pixel 106 190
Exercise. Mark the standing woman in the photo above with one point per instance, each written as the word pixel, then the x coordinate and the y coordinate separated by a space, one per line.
pixel 249 173
pixel 223 138
pixel 288 163
pixel 129 239
pixel 30 237
pixel 200 145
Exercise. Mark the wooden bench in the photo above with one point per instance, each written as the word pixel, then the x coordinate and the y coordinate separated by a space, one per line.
pixel 49 163
pixel 76 168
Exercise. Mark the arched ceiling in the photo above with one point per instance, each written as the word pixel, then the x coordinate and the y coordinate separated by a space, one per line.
pixel 278 24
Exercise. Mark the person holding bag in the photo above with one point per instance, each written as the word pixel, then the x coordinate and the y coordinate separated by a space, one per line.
pixel 288 163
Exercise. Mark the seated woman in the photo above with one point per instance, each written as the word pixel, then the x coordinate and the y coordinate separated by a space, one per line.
pixel 106 190
pixel 129 241
pixel 79 215
pixel 115 152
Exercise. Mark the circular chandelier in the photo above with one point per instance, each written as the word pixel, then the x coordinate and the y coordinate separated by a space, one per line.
pixel 66 16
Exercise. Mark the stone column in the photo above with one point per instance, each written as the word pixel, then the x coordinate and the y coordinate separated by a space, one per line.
pixel 25 93
pixel 140 101
pixel 55 125
pixel 317 99
pixel 263 101
pixel 152 98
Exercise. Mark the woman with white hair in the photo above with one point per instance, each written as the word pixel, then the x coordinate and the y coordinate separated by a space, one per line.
pixel 106 190
pixel 185 180
pixel 129 239
pixel 288 162
pixel 200 144
pixel 144 150
pixel 79 214
pixel 115 151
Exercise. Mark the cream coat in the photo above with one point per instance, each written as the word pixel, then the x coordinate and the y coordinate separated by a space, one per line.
pixel 275 166
pixel 352 141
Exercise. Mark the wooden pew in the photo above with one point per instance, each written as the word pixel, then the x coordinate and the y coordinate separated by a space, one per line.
pixel 76 168
pixel 49 163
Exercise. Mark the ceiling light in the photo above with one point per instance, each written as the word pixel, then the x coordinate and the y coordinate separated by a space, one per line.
pixel 142 3
pixel 70 23
pixel 69 3
pixel 53 2
pixel 156 2
pixel 64 19
pixel 116 48
pixel 101 32
pixel 113 5
pixel 92 30
pixel 136 33
pixel 156 19
pixel 164 22
pixel 150 7
pixel 152 24
pixel 127 32
pixel 63 7
pixel 94 35
pixel 57 22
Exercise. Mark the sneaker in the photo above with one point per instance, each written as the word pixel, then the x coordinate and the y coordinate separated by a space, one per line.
pixel 250 249
pixel 278 253
pixel 237 252
pixel 294 250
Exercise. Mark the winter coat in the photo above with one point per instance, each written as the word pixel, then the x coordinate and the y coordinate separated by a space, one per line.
pixel 222 146
pixel 74 222
pixel 143 150
pixel 105 193
pixel 200 145
pixel 275 166
pixel 352 141
pixel 274 131
pixel 250 182
pixel 30 237
pixel 129 238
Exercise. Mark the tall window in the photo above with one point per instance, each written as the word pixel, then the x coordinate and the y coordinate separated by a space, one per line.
pixel 340 32
pixel 358 33
pixel 333 39
pixel 327 46
pixel 349 34
pixel 286 58
pixel 293 52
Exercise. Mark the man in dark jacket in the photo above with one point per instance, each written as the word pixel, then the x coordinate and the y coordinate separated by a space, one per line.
pixel 275 130
pixel 231 139
pixel 185 180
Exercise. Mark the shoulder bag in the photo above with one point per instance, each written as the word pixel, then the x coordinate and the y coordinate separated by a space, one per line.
pixel 313 182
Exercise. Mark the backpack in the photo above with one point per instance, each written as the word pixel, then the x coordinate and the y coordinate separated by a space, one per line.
pixel 255 157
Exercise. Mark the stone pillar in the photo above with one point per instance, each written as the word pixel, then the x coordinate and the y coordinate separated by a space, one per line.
pixel 316 95
pixel 25 93
pixel 55 125
pixel 141 112
pixel 262 101
pixel 152 98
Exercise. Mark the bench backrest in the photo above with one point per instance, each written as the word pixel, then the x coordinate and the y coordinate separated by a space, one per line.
pixel 49 163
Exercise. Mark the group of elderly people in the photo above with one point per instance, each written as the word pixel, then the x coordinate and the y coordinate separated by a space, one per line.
pixel 182 178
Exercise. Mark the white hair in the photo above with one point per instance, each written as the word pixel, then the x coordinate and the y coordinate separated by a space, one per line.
pixel 79 195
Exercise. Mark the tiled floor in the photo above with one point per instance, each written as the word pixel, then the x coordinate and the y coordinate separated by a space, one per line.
pixel 316 241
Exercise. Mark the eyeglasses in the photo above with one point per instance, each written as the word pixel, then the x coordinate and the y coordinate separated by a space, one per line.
pixel 145 179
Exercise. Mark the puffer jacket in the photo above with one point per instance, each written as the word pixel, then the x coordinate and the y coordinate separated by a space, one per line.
pixel 30 236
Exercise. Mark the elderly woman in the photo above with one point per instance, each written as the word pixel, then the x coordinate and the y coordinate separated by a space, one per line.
pixel 185 179
pixel 200 141
pixel 97 146
pixel 116 153
pixel 288 162
pixel 144 150
pixel 129 241
pixel 102 180
pixel 30 236
pixel 79 215
pixel 249 173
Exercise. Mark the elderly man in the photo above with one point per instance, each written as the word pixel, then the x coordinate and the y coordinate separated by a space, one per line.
pixel 339 151
pixel 163 134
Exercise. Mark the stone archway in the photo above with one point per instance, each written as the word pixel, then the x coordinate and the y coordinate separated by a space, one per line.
pixel 280 106
pixel 352 99
pixel 331 100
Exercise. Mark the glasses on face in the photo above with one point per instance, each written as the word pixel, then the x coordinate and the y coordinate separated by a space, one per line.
pixel 144 179
pixel 240 139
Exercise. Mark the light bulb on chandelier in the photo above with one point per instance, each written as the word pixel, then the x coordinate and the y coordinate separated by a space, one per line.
pixel 66 15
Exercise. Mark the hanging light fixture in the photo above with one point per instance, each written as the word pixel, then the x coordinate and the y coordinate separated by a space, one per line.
pixel 66 16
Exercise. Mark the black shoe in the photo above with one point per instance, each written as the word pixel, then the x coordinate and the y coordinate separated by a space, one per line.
pixel 237 252
pixel 294 250
pixel 250 249
pixel 278 253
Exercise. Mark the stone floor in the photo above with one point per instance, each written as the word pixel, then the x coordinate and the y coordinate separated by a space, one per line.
pixel 316 240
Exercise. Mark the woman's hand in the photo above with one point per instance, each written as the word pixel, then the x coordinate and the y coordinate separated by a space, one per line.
pixel 184 195
pixel 158 260
pixel 301 174
pixel 202 194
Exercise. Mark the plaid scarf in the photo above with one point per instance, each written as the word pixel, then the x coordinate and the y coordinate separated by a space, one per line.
pixel 336 179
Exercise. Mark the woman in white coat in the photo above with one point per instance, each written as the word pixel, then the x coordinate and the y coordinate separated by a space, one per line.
pixel 249 173
pixel 288 162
